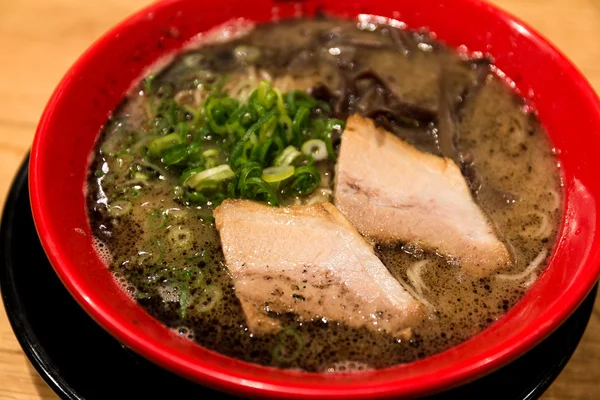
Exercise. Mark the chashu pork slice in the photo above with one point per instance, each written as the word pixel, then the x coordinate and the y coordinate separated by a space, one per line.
pixel 310 261
pixel 392 192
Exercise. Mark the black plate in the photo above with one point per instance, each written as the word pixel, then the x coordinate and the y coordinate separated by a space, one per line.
pixel 79 360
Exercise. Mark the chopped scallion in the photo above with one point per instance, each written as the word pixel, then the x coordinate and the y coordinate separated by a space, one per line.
pixel 180 237
pixel 277 174
pixel 289 348
pixel 187 174
pixel 287 156
pixel 306 179
pixel 158 146
pixel 208 144
pixel 210 153
pixel 157 220
pixel 209 298
pixel 210 177
pixel 183 299
pixel 150 252
pixel 315 148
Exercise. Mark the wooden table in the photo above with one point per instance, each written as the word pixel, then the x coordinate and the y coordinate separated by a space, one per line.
pixel 39 40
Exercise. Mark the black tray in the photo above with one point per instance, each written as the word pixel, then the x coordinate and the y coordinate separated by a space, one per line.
pixel 79 360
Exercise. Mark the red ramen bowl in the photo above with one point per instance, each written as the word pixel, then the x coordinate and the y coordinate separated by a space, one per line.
pixel 93 87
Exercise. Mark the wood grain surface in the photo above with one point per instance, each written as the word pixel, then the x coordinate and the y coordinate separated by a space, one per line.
pixel 40 39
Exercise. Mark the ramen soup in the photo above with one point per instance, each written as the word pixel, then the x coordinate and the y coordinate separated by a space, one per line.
pixel 324 195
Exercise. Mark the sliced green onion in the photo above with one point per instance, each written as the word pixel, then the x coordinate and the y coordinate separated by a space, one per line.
pixel 210 153
pixel 307 179
pixel 250 170
pixel 266 149
pixel 238 149
pixel 157 220
pixel 277 174
pixel 189 173
pixel 257 189
pixel 180 237
pixel 119 208
pixel 217 111
pixel 140 176
pixel 300 123
pixel 268 128
pixel 168 112
pixel 150 252
pixel 209 299
pixel 332 124
pixel 210 177
pixel 270 132
pixel 266 96
pixel 194 155
pixel 235 123
pixel 284 118
pixel 247 150
pixel 184 299
pixel 211 162
pixel 282 353
pixel 287 156
pixel 140 148
pixel 195 197
pixel 316 148
pixel 175 154
pixel 157 146
pixel 280 102
pixel 297 99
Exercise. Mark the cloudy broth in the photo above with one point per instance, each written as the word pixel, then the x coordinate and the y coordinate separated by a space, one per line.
pixel 165 250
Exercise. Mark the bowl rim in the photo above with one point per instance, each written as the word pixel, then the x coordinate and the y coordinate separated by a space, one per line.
pixel 161 355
